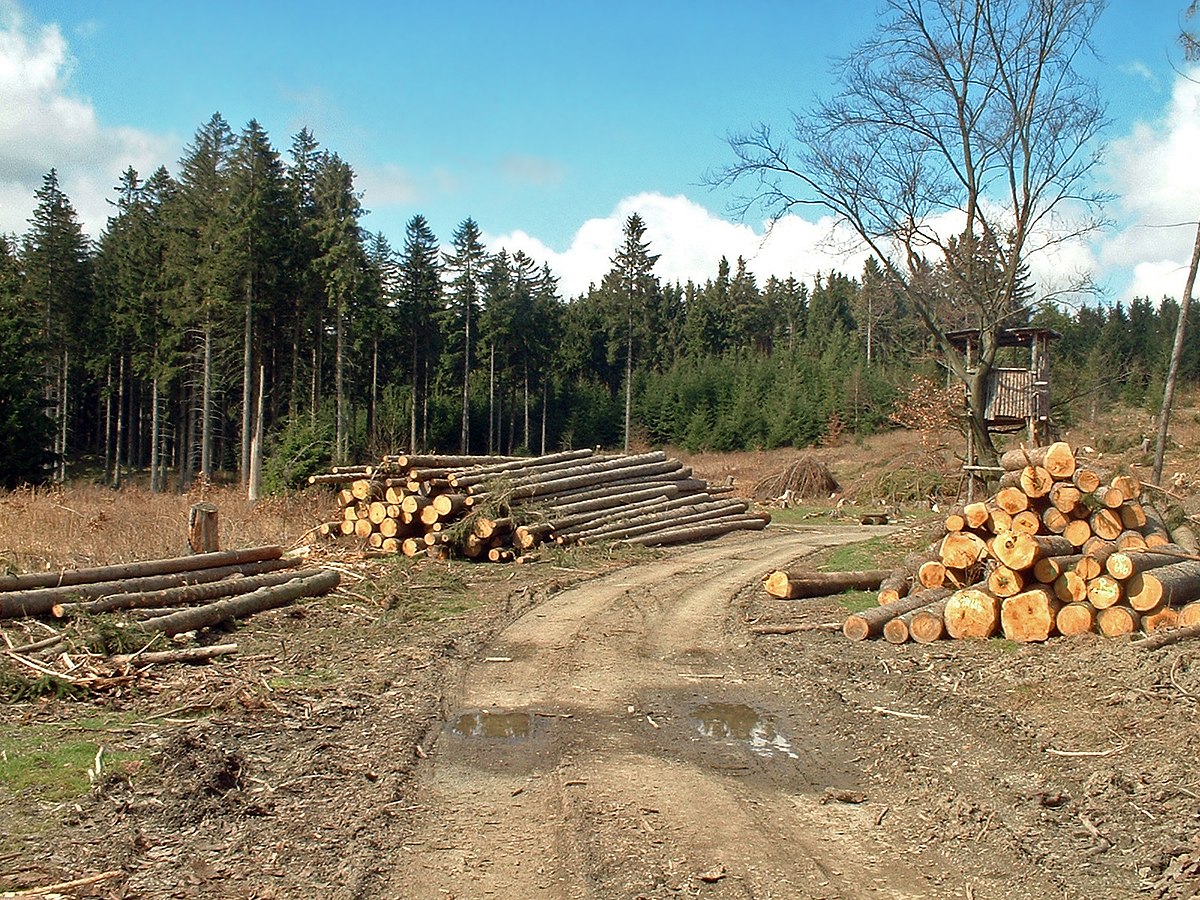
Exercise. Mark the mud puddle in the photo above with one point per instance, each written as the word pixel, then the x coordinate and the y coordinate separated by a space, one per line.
pixel 741 724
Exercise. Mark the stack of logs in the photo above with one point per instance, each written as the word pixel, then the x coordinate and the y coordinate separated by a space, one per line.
pixel 168 596
pixel 1058 549
pixel 499 508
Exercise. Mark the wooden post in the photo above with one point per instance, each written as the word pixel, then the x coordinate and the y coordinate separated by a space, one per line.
pixel 202 528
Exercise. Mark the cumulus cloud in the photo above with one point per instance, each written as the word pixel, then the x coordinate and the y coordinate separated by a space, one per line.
pixel 386 185
pixel 690 239
pixel 44 125
pixel 1152 170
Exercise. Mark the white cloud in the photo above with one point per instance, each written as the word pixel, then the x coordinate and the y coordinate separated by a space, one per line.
pixel 690 241
pixel 44 125
pixel 1154 173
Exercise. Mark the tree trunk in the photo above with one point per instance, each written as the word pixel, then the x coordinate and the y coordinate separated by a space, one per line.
pixel 871 622
pixel 1164 418
pixel 202 528
pixel 121 424
pixel 247 384
pixel 628 380
pixel 254 487
pixel 339 378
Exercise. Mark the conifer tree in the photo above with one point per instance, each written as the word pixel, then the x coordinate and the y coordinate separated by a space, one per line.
pixel 634 291
pixel 420 300
pixel 465 265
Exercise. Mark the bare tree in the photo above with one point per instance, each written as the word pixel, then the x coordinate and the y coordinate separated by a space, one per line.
pixel 960 142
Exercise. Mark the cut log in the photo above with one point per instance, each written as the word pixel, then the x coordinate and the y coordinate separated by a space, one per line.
pixel 1012 500
pixel 1129 486
pixel 802 583
pixel 1057 458
pixel 1106 524
pixel 1065 496
pixel 1077 532
pixel 1116 621
pixel 1004 582
pixel 999 519
pixel 1185 536
pixel 931 574
pixel 1070 587
pixel 962 549
pixel 1124 565
pixel 1173 585
pixel 1048 568
pixel 40 601
pixel 1163 617
pixel 1030 615
pixel 927 624
pixel 895 586
pixel 1076 618
pixel 1054 520
pixel 202 528
pixel 241 606
pixel 971 613
pixel 1087 480
pixel 1133 515
pixel 1189 614
pixel 1028 522
pixel 1130 540
pixel 753 522
pixel 1104 591
pixel 1036 482
pixel 1019 550
pixel 183 655
pixel 870 623
pixel 975 514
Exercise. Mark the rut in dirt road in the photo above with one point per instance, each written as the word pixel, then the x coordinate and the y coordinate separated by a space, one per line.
pixel 618 741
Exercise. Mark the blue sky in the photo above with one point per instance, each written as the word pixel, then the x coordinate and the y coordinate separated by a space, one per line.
pixel 548 123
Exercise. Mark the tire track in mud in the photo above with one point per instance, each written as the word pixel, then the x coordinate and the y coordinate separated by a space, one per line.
pixel 602 779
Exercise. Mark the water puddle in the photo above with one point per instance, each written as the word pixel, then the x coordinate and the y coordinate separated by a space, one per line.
pixel 738 722
pixel 485 724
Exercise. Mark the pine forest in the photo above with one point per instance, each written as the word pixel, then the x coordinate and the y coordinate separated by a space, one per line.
pixel 237 310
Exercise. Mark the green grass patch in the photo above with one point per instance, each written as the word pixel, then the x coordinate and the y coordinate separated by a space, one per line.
pixel 858 601
pixel 306 680
pixel 51 762
pixel 876 553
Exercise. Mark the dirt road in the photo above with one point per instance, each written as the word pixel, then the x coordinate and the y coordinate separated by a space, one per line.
pixel 621 741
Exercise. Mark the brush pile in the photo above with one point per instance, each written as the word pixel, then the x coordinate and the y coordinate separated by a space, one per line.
pixel 1058 549
pixel 804 479
pixel 498 508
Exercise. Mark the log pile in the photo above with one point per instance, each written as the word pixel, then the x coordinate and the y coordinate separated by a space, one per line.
pixel 499 509
pixel 1058 549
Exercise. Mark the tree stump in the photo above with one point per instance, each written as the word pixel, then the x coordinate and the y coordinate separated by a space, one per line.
pixel 202 528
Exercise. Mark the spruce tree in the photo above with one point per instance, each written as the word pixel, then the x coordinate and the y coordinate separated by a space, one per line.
pixel 465 264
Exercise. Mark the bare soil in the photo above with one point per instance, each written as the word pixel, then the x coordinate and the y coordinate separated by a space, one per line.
pixel 596 727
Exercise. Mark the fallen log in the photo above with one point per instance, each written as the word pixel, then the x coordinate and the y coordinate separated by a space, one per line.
pixel 1173 585
pixel 189 563
pixel 753 522
pixel 1167 636
pixel 1076 618
pixel 187 654
pixel 1117 620
pixel 870 623
pixel 187 595
pixel 1057 458
pixel 244 605
pixel 801 583
pixel 1020 550
pixel 40 601
pixel 927 624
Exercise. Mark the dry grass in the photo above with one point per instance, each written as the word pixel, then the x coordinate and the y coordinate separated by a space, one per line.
pixel 86 525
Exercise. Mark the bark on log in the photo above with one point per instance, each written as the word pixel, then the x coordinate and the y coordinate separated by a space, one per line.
pixel 244 605
pixel 202 528
pixel 231 584
pixel 1124 565
pixel 1173 585
pixel 1167 636
pixel 869 623
pixel 1185 536
pixel 1057 458
pixel 801 583
pixel 1076 618
pixel 40 601
pixel 686 535
pixel 1030 615
pixel 541 489
pixel 652 521
pixel 895 586
pixel 971 613
pixel 184 655
pixel 190 563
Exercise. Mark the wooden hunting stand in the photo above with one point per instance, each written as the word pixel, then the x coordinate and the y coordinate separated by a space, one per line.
pixel 1018 397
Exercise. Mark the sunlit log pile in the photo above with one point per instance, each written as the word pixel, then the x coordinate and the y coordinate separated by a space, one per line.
pixel 501 509
pixel 1059 549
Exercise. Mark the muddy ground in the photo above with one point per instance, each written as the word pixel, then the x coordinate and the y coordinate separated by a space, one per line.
pixel 611 728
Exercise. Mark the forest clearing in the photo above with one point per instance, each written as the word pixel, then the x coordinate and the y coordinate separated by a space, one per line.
pixel 603 722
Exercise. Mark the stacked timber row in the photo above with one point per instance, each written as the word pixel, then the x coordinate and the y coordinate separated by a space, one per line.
pixel 499 508
pixel 171 596
pixel 1058 549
